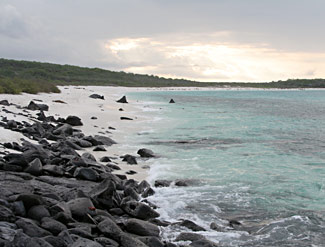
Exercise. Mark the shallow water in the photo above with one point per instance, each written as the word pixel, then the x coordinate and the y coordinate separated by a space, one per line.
pixel 259 157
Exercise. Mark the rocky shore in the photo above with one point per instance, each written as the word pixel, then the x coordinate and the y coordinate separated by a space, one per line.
pixel 54 192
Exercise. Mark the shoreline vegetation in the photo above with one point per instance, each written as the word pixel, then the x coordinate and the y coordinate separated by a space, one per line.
pixel 34 77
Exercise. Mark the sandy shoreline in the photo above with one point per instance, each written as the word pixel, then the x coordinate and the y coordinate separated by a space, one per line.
pixel 78 103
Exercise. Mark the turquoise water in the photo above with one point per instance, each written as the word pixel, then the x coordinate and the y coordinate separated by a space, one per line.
pixel 257 157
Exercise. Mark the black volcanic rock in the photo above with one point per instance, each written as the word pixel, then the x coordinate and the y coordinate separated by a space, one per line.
pixel 96 96
pixel 146 153
pixel 122 100
pixel 74 121
pixel 35 107
pixel 171 101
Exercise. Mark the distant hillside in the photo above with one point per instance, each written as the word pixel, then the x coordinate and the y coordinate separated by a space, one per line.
pixel 32 77
pixel 74 75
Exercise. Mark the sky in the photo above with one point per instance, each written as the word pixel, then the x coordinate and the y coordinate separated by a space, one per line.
pixel 203 40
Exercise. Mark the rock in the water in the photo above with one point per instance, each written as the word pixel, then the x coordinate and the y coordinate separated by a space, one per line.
pixel 53 226
pixel 80 207
pixel 139 210
pixel 162 183
pixel 110 229
pixel 31 229
pixel 152 241
pixel 203 243
pixel 38 212
pixel 171 101
pixel 74 121
pixel 96 96
pixel 4 102
pixel 35 107
pixel 35 167
pixel 189 236
pixel 146 153
pixel 142 228
pixel 86 174
pixel 191 225
pixel 127 241
pixel 122 100
pixel 126 118
pixel 130 159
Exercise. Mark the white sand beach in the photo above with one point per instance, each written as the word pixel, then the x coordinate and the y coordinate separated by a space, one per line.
pixel 78 103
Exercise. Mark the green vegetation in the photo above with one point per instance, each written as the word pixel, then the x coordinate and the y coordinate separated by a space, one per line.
pixel 33 77
pixel 18 85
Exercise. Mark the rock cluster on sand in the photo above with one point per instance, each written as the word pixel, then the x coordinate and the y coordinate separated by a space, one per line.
pixel 50 195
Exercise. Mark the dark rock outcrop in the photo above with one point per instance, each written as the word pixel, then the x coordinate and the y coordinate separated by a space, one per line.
pixel 96 96
pixel 122 100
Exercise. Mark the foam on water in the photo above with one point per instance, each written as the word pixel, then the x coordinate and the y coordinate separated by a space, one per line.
pixel 258 157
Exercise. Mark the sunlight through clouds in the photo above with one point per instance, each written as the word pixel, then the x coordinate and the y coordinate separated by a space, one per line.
pixel 211 60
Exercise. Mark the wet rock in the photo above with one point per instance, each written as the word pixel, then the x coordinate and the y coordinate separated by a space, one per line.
pixel 12 124
pixel 53 226
pixel 96 96
pixel 189 236
pixel 74 121
pixel 31 229
pixel 127 241
pixel 86 174
pixel 139 210
pixel 126 118
pixel 146 153
pixel 35 107
pixel 83 143
pixel 162 183
pixel 110 229
pixel 141 228
pixel 105 188
pixel 203 243
pixel 114 167
pixel 38 212
pixel 130 159
pixel 151 241
pixel 131 172
pixel 148 192
pixel 35 167
pixel 128 191
pixel 171 101
pixel 80 207
pixel 122 100
pixel 191 225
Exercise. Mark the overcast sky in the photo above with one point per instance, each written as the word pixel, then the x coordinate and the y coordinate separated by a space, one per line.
pixel 206 40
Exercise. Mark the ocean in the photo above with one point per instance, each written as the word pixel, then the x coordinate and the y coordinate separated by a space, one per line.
pixel 254 156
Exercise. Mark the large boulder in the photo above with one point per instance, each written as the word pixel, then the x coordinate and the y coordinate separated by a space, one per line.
pixel 74 121
pixel 80 207
pixel 141 228
pixel 130 159
pixel 16 159
pixel 139 210
pixel 53 226
pixel 35 167
pixel 86 174
pixel 37 107
pixel 191 225
pixel 4 102
pixel 146 153
pixel 38 212
pixel 31 229
pixel 65 130
pixel 110 229
pixel 30 200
